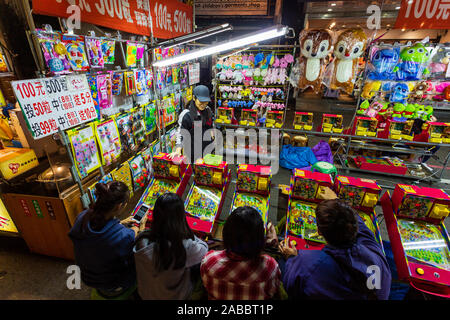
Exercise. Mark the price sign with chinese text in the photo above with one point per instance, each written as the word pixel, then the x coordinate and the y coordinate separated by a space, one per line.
pixel 50 104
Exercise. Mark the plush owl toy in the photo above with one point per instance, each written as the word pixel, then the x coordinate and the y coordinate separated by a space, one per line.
pixel 350 45
pixel 315 46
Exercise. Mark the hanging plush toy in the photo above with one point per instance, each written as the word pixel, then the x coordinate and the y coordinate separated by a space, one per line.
pixel 315 46
pixel 412 64
pixel 383 61
pixel 350 46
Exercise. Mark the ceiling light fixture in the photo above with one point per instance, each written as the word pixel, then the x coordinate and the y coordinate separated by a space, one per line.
pixel 265 34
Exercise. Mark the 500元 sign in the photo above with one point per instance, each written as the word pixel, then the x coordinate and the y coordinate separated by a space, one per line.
pixel 170 19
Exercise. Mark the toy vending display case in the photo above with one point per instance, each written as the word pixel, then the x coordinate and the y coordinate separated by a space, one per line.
pixel 253 189
pixel 365 126
pixel 439 132
pixel 274 119
pixel 400 130
pixel 332 123
pixel 303 121
pixel 169 175
pixel 207 194
pixel 420 242
pixel 362 195
pixel 249 117
pixel 305 194
pixel 225 115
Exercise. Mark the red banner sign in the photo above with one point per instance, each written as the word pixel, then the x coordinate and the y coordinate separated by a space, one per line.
pixel 170 18
pixel 423 14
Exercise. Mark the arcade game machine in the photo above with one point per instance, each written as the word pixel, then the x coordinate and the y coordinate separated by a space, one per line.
pixel 420 242
pixel 399 130
pixel 362 195
pixel 439 132
pixel 303 121
pixel 249 117
pixel 332 123
pixel 305 194
pixel 169 175
pixel 274 119
pixel 253 189
pixel 207 194
pixel 225 115
pixel 365 126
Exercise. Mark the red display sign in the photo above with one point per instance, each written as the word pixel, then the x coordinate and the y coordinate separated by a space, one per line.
pixel 170 18
pixel 423 14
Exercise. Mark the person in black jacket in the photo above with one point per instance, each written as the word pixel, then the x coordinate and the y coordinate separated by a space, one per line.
pixel 196 114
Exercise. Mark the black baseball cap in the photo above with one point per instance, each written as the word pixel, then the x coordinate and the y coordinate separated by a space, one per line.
pixel 201 92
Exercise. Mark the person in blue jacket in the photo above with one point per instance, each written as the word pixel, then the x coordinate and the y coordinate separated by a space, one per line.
pixel 103 246
pixel 352 264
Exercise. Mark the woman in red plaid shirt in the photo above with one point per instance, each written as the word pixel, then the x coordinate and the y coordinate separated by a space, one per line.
pixel 241 271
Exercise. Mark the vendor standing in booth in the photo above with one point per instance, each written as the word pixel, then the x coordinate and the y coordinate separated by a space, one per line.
pixel 198 118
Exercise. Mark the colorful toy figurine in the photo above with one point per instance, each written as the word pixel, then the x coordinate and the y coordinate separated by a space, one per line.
pixel 399 108
pixel 383 62
pixel 95 53
pixel 409 111
pixel 370 89
pixel 412 63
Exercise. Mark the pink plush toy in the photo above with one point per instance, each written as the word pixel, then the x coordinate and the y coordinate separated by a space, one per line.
pixel 439 88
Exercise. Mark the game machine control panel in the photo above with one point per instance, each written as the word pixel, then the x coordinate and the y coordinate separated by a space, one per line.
pixel 305 194
pixel 169 175
pixel 420 242
pixel 225 115
pixel 274 119
pixel 207 194
pixel 253 189
pixel 362 195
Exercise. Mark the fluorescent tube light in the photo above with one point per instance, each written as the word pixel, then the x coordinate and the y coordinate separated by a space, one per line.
pixel 229 45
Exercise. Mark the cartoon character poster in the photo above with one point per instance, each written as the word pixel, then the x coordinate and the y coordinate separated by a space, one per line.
pixel 94 52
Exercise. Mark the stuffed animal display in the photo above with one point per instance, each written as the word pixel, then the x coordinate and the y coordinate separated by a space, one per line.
pixel 350 45
pixel 383 62
pixel 412 65
pixel 315 45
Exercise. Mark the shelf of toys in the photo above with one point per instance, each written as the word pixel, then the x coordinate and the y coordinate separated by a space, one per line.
pixel 251 86
pixel 420 242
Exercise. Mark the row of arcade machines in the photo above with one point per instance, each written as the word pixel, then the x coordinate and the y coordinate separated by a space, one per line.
pixel 414 215
pixel 414 219
pixel 207 194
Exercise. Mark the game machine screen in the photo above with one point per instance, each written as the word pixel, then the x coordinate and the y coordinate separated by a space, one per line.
pixel 439 132
pixel 249 117
pixel 253 189
pixel 365 126
pixel 384 164
pixel 169 175
pixel 305 194
pixel 332 123
pixel 205 199
pixel 303 121
pixel 362 195
pixel 401 130
pixel 274 119
pixel 420 243
pixel 225 115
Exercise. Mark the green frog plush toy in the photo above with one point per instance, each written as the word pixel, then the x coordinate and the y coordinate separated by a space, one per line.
pixel 398 110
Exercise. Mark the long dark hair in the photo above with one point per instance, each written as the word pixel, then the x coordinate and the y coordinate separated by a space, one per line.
pixel 108 196
pixel 243 233
pixel 169 229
